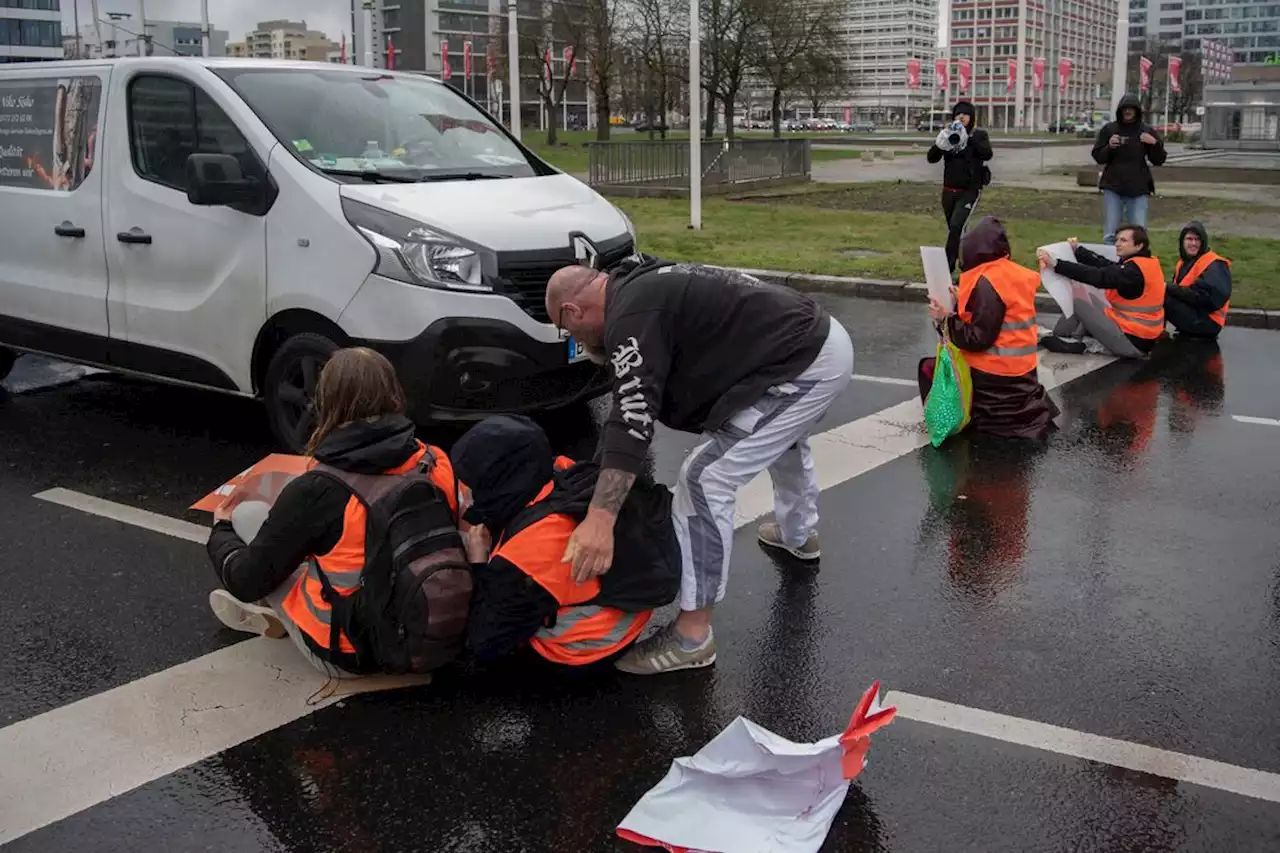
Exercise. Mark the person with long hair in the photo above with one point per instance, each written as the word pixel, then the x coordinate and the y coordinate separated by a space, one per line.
pixel 271 567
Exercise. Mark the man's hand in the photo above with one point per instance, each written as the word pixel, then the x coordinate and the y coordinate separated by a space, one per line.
pixel 1073 242
pixel 590 548
pixel 1148 139
pixel 1046 260
pixel 478 543
pixel 1115 140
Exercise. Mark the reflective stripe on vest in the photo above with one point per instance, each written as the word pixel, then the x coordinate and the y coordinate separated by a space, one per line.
pixel 344 563
pixel 1142 317
pixel 588 633
pixel 1197 269
pixel 1014 352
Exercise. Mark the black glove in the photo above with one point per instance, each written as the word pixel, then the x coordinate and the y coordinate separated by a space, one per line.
pixel 1178 292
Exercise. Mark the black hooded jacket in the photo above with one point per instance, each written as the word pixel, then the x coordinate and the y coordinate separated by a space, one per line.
pixel 964 169
pixel 307 519
pixel 1125 168
pixel 1213 288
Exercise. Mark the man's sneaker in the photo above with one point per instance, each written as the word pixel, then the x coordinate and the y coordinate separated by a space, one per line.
pixel 770 534
pixel 249 618
pixel 663 653
pixel 1071 346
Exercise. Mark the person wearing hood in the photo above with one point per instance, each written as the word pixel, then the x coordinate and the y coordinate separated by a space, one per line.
pixel 964 154
pixel 1129 318
pixel 1196 302
pixel 529 502
pixel 994 324
pixel 317 523
pixel 1126 149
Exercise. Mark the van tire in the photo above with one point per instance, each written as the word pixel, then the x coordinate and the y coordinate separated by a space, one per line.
pixel 288 389
pixel 7 358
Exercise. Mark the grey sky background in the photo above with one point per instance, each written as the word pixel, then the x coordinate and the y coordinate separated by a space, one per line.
pixel 237 17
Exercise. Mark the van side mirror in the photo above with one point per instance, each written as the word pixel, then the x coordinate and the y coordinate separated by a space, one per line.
pixel 215 180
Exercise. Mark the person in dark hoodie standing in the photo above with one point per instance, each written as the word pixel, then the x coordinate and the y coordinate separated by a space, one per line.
pixel 753 366
pixel 964 152
pixel 317 523
pixel 1199 297
pixel 1126 149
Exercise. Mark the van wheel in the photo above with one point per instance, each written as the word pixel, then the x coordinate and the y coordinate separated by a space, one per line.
pixel 7 358
pixel 289 388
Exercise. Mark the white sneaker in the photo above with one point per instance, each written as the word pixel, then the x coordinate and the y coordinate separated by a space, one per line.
pixel 249 618
pixel 770 534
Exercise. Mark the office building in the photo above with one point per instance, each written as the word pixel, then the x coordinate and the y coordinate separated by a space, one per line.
pixel 30 30
pixel 989 33
pixel 119 36
pixel 1251 28
pixel 877 38
pixel 283 39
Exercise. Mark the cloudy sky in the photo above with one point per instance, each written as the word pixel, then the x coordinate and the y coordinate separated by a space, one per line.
pixel 237 17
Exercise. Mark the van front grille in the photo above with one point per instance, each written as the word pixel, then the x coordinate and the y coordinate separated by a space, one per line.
pixel 524 275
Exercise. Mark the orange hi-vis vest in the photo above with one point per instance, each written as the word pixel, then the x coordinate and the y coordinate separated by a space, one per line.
pixel 1142 317
pixel 305 603
pixel 1014 351
pixel 1201 264
pixel 582 633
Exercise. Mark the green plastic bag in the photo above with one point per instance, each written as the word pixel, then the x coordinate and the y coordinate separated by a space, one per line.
pixel 950 401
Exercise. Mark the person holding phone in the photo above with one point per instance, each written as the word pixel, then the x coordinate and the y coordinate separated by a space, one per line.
pixel 1126 149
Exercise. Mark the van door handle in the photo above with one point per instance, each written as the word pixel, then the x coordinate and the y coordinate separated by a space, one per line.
pixel 67 229
pixel 134 237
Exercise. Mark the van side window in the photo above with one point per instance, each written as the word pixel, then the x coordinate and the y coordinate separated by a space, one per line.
pixel 171 119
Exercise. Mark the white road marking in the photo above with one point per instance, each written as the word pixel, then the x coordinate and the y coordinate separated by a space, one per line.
pixel 1247 419
pixel 1244 781
pixel 113 742
pixel 885 380
pixel 145 519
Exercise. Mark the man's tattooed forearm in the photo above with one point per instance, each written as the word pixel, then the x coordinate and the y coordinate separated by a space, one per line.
pixel 611 490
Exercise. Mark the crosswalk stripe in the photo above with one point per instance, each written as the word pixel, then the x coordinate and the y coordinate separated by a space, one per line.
pixel 1248 419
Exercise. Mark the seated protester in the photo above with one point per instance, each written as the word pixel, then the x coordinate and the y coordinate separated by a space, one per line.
pixel 1130 320
pixel 996 328
pixel 529 502
pixel 310 551
pixel 1197 300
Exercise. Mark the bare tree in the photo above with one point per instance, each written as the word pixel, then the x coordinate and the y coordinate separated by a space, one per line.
pixel 657 34
pixel 601 24
pixel 1190 78
pixel 822 77
pixel 563 27
pixel 735 62
pixel 792 34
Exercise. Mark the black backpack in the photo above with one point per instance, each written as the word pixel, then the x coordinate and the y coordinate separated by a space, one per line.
pixel 409 614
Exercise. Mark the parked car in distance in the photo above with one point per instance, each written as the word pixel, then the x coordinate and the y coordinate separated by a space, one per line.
pixel 863 126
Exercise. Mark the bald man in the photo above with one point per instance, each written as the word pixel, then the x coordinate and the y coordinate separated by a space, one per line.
pixel 752 367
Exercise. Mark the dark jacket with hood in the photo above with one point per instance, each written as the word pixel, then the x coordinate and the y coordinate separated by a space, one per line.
pixel 1125 168
pixel 1213 287
pixel 691 346
pixel 307 518
pixel 1004 406
pixel 964 170
pixel 506 461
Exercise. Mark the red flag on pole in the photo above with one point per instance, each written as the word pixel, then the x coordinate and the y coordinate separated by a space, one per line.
pixel 546 65
pixel 940 78
pixel 913 74
pixel 1064 74
pixel 466 58
pixel 445 71
pixel 1012 79
pixel 391 54
pixel 1037 74
pixel 569 59
pixel 1144 73
pixel 965 69
pixel 1175 66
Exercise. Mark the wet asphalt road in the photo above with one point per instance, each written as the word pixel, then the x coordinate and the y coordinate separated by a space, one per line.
pixel 1123 581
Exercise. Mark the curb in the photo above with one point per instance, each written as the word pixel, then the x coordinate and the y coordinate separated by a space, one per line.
pixel 910 291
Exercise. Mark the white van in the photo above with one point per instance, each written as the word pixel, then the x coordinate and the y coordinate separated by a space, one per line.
pixel 230 223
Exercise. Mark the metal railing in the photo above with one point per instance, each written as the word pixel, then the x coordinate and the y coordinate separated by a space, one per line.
pixel 662 167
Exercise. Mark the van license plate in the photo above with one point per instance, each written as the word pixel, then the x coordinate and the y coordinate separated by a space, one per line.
pixel 577 350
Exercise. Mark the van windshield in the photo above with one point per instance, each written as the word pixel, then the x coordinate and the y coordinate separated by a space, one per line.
pixel 344 121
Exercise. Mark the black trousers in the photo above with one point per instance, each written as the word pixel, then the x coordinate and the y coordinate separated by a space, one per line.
pixel 957 207
pixel 1189 320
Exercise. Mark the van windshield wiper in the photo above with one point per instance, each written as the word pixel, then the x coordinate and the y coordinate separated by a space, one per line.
pixel 461 176
pixel 372 175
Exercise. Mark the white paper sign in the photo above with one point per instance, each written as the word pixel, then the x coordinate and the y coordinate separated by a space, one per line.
pixel 1062 288
pixel 937 274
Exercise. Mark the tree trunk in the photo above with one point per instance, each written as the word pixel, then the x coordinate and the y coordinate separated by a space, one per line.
pixel 728 116
pixel 602 110
pixel 550 105
pixel 662 107
pixel 710 117
pixel 777 113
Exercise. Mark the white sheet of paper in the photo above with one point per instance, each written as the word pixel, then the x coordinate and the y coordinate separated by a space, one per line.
pixel 1063 289
pixel 936 274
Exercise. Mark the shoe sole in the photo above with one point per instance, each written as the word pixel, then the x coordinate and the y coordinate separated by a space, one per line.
pixel 245 618
pixel 702 664
pixel 799 555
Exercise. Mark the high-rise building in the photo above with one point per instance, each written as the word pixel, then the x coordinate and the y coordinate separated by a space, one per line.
pixel 1251 28
pixel 283 39
pixel 877 38
pixel 30 30
pixel 165 38
pixel 990 33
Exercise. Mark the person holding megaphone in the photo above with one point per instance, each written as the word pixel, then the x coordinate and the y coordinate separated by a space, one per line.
pixel 964 149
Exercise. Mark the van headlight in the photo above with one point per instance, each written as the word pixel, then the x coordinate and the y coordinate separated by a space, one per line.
pixel 415 253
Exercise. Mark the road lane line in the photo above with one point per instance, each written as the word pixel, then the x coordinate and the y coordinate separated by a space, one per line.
pixel 145 519
pixel 1244 781
pixel 885 380
pixel 116 741
pixel 1248 419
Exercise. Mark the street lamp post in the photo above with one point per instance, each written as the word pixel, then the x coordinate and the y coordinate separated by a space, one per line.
pixel 513 67
pixel 1121 60
pixel 695 118
pixel 204 27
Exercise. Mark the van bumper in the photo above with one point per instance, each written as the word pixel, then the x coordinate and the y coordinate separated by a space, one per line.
pixel 466 368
